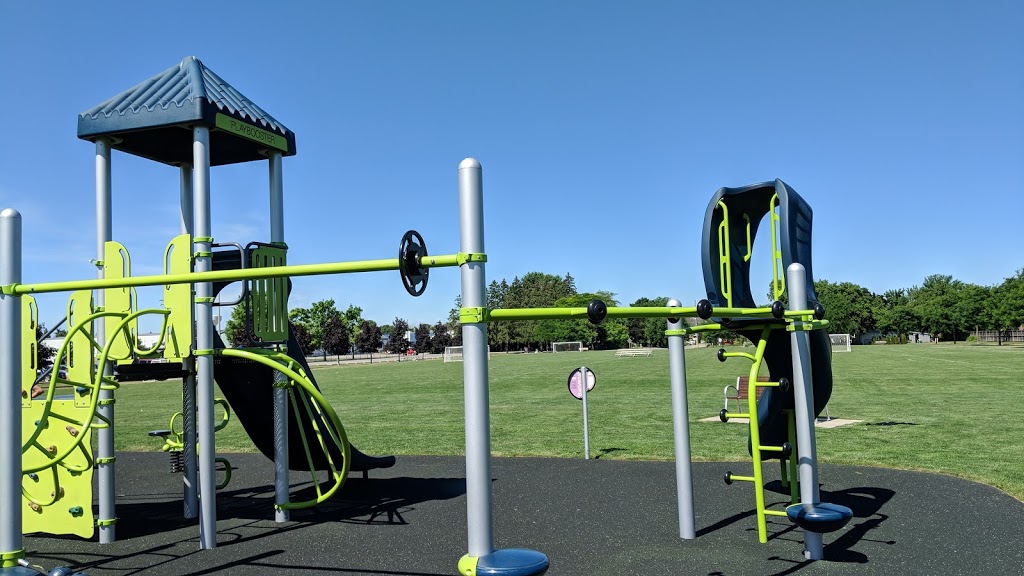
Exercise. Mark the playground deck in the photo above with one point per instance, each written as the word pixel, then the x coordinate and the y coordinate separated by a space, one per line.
pixel 592 517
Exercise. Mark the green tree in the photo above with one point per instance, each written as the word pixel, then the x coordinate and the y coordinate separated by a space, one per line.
pixel 353 318
pixel 441 340
pixel 934 303
pixel 648 331
pixel 894 313
pixel 424 342
pixel 398 343
pixel 302 337
pixel 336 338
pixel 235 331
pixel 849 307
pixel 1006 306
pixel 534 290
pixel 44 353
pixel 612 333
pixel 454 327
pixel 315 320
pixel 369 339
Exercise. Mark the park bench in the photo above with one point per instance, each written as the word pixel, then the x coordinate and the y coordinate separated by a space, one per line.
pixel 740 391
pixel 633 352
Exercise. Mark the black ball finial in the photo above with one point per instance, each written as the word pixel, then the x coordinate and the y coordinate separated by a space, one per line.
pixel 721 354
pixel 784 385
pixel 819 311
pixel 596 311
pixel 705 309
pixel 778 310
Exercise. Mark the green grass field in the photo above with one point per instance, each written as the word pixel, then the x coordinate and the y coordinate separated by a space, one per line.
pixel 941 408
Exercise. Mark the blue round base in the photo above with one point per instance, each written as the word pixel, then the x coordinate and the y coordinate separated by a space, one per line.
pixel 821 517
pixel 512 562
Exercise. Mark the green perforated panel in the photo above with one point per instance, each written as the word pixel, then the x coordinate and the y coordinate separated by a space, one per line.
pixel 268 297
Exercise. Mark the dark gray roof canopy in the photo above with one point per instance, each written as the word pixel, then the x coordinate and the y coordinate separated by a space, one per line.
pixel 154 119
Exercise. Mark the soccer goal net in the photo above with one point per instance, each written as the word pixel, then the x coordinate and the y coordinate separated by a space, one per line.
pixel 454 353
pixel 840 342
pixel 567 346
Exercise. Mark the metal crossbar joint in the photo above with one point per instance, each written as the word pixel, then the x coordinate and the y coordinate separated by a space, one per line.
pixel 464 257
pixel 473 315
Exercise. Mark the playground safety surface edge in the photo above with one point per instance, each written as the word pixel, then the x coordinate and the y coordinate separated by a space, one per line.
pixel 596 517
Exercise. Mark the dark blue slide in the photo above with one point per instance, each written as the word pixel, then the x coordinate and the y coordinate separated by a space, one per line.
pixel 746 207
pixel 249 389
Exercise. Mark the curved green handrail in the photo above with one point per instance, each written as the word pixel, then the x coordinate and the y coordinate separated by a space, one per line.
pixel 297 377
pixel 101 383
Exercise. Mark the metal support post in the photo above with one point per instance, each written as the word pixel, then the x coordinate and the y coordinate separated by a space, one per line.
pixel 190 476
pixel 803 396
pixel 481 558
pixel 280 393
pixel 474 353
pixel 10 388
pixel 105 409
pixel 204 341
pixel 681 425
pixel 584 384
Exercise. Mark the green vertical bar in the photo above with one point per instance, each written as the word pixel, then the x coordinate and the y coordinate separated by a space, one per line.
pixel 755 435
pixel 794 485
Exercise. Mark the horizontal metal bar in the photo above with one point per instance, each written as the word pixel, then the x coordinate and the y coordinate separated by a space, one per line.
pixel 770 448
pixel 580 312
pixel 447 260
pixel 742 478
pixel 737 415
pixel 766 313
pixel 651 312
pixel 775 513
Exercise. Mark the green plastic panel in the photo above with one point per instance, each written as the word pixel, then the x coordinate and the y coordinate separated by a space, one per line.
pixel 57 499
pixel 268 297
pixel 29 322
pixel 178 299
pixel 117 264
pixel 81 354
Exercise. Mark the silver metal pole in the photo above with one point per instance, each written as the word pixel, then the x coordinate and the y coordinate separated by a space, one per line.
pixel 586 427
pixel 474 349
pixel 10 385
pixel 105 409
pixel 204 341
pixel 803 396
pixel 190 476
pixel 280 394
pixel 681 426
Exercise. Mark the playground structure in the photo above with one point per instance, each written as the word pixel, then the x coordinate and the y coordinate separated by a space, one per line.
pixel 189 118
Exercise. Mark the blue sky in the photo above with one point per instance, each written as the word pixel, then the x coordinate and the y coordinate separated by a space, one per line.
pixel 603 128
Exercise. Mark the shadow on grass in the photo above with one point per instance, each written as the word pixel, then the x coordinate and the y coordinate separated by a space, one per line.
pixel 891 423
pixel 607 451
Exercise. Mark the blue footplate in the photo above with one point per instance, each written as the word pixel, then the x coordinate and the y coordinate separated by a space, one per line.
pixel 821 517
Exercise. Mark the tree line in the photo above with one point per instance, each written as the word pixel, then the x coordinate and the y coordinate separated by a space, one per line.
pixel 942 306
pixel 946 308
pixel 323 328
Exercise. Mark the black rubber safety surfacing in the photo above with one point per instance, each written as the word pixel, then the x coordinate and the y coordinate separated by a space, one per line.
pixel 411 252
